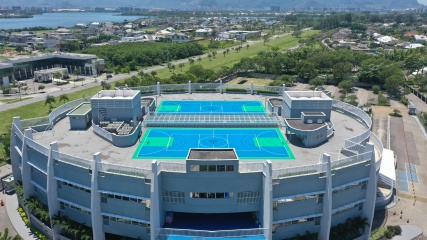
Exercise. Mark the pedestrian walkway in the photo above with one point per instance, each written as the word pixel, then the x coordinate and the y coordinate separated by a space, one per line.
pixel 408 232
pixel 15 218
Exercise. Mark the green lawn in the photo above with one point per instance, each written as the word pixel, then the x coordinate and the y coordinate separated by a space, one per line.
pixel 38 109
pixel 233 57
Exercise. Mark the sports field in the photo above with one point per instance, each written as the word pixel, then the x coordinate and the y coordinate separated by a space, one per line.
pixel 210 107
pixel 249 143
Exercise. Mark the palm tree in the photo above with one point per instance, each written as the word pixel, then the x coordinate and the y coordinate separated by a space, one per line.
pixel 153 73
pixel 76 73
pixel 214 54
pixel 63 97
pixel 191 61
pixel 199 60
pixel 181 65
pixel 224 52
pixel 49 100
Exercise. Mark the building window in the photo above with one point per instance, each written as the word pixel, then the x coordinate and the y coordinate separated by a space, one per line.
pixel 212 168
pixel 320 198
pixel 220 195
pixel 106 220
pixel 364 185
pixel 104 198
pixel 173 197
pixel 248 197
pixel 360 206
pixel 101 174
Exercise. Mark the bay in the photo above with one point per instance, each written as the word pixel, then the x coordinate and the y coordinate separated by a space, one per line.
pixel 64 19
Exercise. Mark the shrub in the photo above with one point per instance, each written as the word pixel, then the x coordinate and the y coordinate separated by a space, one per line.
pixel 376 89
pixel 236 90
pixel 404 101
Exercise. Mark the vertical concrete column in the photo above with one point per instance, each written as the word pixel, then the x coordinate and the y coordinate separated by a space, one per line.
pixel 95 203
pixel 25 167
pixel 220 86
pixel 189 87
pixel 325 221
pixel 252 88
pixel 155 210
pixel 158 88
pixel 283 92
pixel 16 158
pixel 282 112
pixel 52 188
pixel 267 216
pixel 371 190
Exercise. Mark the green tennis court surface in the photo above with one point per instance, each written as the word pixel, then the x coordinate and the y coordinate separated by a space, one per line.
pixel 217 106
pixel 252 143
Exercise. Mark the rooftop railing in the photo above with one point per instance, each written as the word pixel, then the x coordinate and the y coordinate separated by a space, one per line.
pixel 164 233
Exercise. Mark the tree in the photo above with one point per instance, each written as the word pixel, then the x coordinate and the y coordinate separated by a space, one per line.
pixel 153 73
pixel 41 87
pixel 57 75
pixel 376 89
pixel 297 33
pixel 181 65
pixel 191 61
pixel 306 69
pixel 76 73
pixel 393 83
pixel 210 56
pixel 49 100
pixel 352 100
pixel 20 48
pixel 341 70
pixel 64 98
pixel 247 47
pixel 224 52
pixel 266 38
pixel 173 67
pixel 214 54
pixel 346 85
pixel 316 82
pixel 199 59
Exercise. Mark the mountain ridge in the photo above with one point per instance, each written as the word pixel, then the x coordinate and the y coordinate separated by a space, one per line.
pixel 223 4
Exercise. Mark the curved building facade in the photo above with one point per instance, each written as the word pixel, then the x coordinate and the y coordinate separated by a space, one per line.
pixel 212 191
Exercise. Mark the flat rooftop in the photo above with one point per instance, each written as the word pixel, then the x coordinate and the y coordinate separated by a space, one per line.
pixel 108 94
pixel 208 154
pixel 51 70
pixel 85 143
pixel 307 95
pixel 299 124
pixel 82 109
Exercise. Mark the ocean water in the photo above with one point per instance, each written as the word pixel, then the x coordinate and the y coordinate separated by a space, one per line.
pixel 63 19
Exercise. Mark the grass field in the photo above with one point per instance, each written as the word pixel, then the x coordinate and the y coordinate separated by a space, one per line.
pixel 38 109
pixel 233 57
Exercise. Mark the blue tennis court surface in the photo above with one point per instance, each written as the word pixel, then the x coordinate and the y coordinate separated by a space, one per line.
pixel 176 237
pixel 212 107
pixel 249 143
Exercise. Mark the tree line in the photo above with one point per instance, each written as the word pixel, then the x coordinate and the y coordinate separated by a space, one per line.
pixel 127 57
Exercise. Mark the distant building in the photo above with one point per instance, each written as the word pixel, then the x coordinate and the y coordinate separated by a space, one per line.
pixel 275 8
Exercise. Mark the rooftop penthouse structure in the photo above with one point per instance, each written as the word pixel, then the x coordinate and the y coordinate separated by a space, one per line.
pixel 213 165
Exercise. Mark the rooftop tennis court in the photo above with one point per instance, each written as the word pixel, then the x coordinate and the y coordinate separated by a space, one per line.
pixel 211 107
pixel 249 143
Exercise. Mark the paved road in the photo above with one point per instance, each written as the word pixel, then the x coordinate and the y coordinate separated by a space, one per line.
pixel 41 97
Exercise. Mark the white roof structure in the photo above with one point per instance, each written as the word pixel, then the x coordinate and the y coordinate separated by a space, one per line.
pixel 386 39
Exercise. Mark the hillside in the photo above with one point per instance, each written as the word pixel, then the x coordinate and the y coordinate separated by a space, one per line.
pixel 221 4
